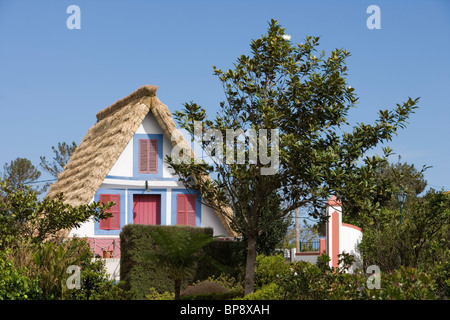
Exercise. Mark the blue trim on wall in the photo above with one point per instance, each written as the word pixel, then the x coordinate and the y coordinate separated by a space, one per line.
pixel 97 230
pixel 141 179
pixel 198 206
pixel 147 176
pixel 163 207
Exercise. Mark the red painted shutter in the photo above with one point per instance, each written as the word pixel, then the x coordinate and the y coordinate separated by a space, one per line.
pixel 181 209
pixel 190 209
pixel 115 210
pixel 104 223
pixel 186 205
pixel 148 156
pixel 143 156
pixel 112 223
pixel 153 156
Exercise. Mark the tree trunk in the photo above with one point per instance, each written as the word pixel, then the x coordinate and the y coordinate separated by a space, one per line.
pixel 177 288
pixel 250 265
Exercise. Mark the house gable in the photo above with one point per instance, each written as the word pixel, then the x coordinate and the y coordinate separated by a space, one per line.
pixel 105 154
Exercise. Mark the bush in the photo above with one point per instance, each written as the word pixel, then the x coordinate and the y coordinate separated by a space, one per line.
pixel 221 257
pixel 14 285
pixel 306 281
pixel 269 269
pixel 404 284
pixel 137 269
pixel 204 287
pixel 269 291
pixel 155 295
pixel 223 287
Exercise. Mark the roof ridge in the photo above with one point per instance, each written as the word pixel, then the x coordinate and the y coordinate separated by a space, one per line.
pixel 146 90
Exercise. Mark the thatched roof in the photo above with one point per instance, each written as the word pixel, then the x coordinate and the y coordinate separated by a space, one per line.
pixel 106 140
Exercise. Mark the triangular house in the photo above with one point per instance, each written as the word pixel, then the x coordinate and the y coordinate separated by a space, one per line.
pixel 121 159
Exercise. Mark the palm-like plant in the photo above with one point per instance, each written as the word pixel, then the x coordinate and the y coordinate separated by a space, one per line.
pixel 177 251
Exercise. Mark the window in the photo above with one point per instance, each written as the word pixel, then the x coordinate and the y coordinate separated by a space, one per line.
pixel 148 156
pixel 112 223
pixel 186 209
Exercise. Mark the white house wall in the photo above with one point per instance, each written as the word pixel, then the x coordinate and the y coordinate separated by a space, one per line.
pixel 210 219
pixel 124 164
pixel 121 177
pixel 208 216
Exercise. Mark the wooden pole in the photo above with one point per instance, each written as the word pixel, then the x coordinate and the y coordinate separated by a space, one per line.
pixel 297 232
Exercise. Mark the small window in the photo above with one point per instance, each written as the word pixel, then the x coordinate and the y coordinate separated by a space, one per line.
pixel 148 156
pixel 112 223
pixel 186 209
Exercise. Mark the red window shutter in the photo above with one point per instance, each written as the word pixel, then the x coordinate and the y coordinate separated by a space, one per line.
pixel 186 209
pixel 105 223
pixel 148 156
pixel 190 209
pixel 153 156
pixel 115 210
pixel 181 209
pixel 143 156
pixel 112 223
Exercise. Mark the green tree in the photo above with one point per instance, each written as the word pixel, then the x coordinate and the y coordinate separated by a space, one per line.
pixel 23 215
pixel 61 157
pixel 178 251
pixel 388 180
pixel 283 88
pixel 21 172
pixel 420 240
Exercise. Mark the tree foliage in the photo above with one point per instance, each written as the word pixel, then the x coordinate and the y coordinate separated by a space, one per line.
pixel 61 157
pixel 420 239
pixel 21 172
pixel 24 215
pixel 177 251
pixel 285 87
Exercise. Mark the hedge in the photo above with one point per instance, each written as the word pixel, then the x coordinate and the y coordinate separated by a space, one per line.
pixel 139 273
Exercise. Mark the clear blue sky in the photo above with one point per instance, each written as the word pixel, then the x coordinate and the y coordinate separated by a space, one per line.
pixel 54 80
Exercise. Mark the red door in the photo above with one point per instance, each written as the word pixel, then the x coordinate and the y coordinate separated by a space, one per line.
pixel 146 209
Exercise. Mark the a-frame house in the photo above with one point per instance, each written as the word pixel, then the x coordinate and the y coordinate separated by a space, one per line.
pixel 121 159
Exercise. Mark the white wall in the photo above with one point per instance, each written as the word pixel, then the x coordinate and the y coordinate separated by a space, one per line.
pixel 124 168
pixel 210 219
pixel 124 164
pixel 349 239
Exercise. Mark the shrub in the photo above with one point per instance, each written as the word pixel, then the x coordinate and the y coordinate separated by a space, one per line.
pixel 227 281
pixel 269 268
pixel 138 267
pixel 14 285
pixel 269 291
pixel 155 295
pixel 223 287
pixel 205 287
pixel 404 284
pixel 221 257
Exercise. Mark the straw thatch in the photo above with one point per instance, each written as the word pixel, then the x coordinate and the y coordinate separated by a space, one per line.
pixel 106 140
